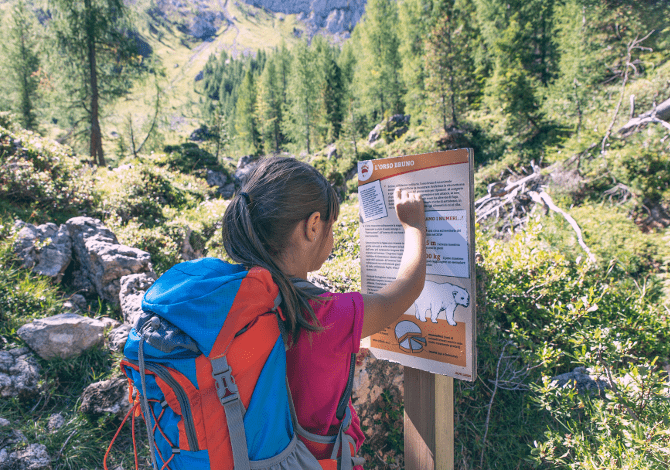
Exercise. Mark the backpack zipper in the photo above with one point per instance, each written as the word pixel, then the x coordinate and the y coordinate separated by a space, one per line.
pixel 182 398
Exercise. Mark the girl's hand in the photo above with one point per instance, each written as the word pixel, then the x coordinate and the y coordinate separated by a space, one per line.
pixel 410 209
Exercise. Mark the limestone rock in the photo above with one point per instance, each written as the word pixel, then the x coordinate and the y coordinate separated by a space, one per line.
pixel 393 128
pixel 245 166
pixel 131 293
pixel 64 335
pixel 107 396
pixel 118 336
pixel 32 457
pixel 76 303
pixel 56 421
pixel 19 373
pixel 46 249
pixel 216 178
pixel 4 422
pixel 582 380
pixel 102 260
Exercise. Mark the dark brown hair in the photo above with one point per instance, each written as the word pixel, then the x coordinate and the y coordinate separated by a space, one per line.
pixel 280 193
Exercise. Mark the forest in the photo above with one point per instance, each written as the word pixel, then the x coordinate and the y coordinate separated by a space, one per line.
pixel 121 112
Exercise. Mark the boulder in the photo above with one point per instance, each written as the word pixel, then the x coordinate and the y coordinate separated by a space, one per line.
pixel 102 260
pixel 56 421
pixel 46 249
pixel 118 336
pixel 31 457
pixel 331 152
pixel 108 396
pixel 19 373
pixel 582 380
pixel 216 178
pixel 245 166
pixel 392 128
pixel 131 293
pixel 64 335
pixel 76 303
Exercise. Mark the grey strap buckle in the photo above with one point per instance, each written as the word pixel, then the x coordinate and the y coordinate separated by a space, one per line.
pixel 226 388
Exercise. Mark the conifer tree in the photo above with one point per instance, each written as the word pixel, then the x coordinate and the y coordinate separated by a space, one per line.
pixel 331 89
pixel 246 123
pixel 449 69
pixel 96 59
pixel 302 100
pixel 269 107
pixel 378 73
pixel 21 63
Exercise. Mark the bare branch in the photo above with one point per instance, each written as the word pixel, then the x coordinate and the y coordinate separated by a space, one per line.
pixel 544 198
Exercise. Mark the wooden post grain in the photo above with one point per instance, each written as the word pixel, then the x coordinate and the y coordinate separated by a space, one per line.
pixel 429 421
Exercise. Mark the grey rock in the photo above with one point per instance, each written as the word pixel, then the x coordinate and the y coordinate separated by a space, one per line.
pixel 53 252
pixel 108 396
pixel 64 335
pixel 56 421
pixel 32 457
pixel 4 422
pixel 216 178
pixel 118 336
pixel 245 166
pixel 393 127
pixel 331 153
pixel 131 293
pixel 109 323
pixel 76 303
pixel 582 380
pixel 102 260
pixel 19 373
pixel 337 17
pixel 227 191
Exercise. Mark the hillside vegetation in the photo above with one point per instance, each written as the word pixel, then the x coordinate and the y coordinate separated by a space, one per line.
pixel 539 86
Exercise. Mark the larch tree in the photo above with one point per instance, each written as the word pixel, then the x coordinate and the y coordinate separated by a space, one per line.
pixel 21 64
pixel 96 57
pixel 302 102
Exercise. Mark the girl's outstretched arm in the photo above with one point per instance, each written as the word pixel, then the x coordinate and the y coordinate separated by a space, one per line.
pixel 385 306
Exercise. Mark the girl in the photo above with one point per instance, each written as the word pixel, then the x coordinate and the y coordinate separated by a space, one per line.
pixel 282 221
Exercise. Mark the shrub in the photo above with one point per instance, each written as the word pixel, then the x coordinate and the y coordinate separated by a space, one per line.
pixel 39 176
pixel 189 158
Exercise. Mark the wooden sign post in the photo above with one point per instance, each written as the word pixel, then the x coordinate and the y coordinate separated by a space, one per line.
pixel 435 339
pixel 429 421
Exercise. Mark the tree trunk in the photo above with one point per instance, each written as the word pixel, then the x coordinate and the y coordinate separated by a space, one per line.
pixel 96 136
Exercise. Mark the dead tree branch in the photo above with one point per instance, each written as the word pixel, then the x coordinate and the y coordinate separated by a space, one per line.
pixel 633 45
pixel 544 198
pixel 661 112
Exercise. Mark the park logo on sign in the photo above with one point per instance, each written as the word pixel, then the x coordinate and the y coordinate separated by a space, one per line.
pixel 364 170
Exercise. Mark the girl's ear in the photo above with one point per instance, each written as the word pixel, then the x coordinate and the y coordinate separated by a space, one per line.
pixel 312 226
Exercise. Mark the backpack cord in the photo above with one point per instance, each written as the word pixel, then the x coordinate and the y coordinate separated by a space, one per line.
pixel 145 402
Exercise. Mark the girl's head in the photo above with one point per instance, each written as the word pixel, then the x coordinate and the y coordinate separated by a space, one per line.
pixel 282 192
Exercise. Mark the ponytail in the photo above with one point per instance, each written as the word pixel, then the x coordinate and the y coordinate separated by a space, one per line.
pixel 257 224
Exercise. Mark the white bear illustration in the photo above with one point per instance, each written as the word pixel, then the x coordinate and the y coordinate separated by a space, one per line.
pixel 440 297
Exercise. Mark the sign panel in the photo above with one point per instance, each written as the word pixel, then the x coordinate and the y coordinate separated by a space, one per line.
pixel 437 334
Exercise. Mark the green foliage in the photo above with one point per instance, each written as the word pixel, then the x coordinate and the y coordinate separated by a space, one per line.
pixel 21 63
pixel 188 158
pixel 41 179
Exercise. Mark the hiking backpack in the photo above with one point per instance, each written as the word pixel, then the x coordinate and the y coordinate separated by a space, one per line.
pixel 206 363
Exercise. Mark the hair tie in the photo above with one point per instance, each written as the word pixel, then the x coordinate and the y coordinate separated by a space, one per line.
pixel 246 196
